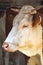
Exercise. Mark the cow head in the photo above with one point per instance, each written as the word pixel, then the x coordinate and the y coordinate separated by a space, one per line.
pixel 25 31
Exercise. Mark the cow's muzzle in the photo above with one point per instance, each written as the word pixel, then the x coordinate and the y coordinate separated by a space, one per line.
pixel 5 46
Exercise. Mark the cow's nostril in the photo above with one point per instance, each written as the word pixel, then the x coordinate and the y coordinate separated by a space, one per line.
pixel 5 45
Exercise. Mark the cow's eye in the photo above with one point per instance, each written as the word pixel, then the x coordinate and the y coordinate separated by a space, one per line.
pixel 24 26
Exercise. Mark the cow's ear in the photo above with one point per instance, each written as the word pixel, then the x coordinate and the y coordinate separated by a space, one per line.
pixel 36 19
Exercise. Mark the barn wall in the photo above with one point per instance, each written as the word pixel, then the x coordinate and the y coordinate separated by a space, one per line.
pixel 9 3
pixel 22 2
pixel 2 22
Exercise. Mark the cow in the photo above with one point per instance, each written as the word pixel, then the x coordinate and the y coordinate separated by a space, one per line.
pixel 26 33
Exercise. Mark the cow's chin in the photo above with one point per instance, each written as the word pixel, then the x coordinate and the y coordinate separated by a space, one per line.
pixel 10 50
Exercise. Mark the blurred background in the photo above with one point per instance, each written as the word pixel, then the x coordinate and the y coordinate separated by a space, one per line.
pixel 6 19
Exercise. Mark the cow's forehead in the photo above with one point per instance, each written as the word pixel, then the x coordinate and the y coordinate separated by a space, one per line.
pixel 22 13
pixel 27 8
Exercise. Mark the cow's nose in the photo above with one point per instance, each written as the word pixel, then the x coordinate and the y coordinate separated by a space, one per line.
pixel 5 46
